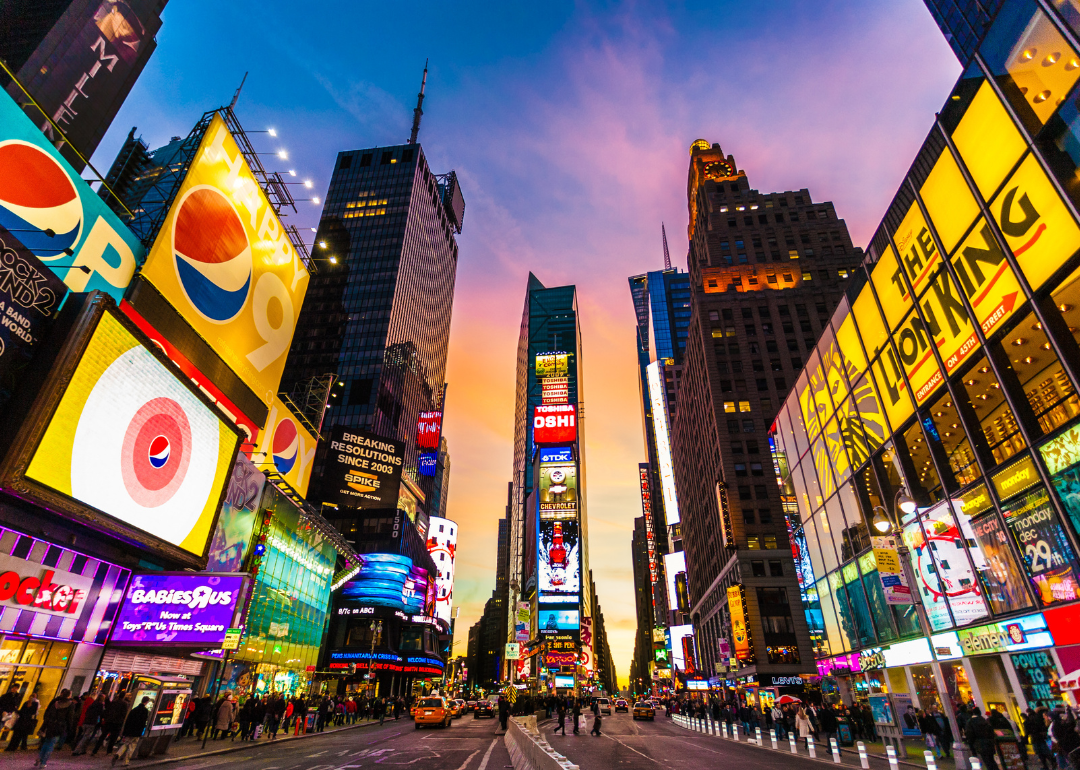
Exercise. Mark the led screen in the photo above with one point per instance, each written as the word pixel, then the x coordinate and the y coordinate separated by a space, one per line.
pixel 552 364
pixel 555 424
pixel 239 511
pixel 363 470
pixel 674 563
pixel 658 400
pixel 678 633
pixel 552 621
pixel 223 259
pixel 179 609
pixel 131 440
pixel 428 430
pixel 564 681
pixel 442 545
pixel 558 491
pixel 389 580
pixel 286 447
pixel 559 557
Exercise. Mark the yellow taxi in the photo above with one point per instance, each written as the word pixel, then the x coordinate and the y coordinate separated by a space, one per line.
pixel 433 710
pixel 644 710
pixel 460 707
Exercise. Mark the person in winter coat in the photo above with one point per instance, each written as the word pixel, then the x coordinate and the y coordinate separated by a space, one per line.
pixel 55 725
pixel 980 738
pixel 576 712
pixel 829 724
pixel 25 725
pixel 134 727
pixel 931 732
pixel 92 717
pixel 1035 731
pixel 802 724
pixel 945 736
pixel 10 701
pixel 562 719
pixel 111 724
pixel 224 716
pixel 243 716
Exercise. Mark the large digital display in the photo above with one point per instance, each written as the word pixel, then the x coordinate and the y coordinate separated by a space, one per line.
pixel 1049 559
pixel 558 491
pixel 239 512
pixel 47 207
pixel 195 608
pixel 286 447
pixel 429 430
pixel 442 545
pixel 554 620
pixel 678 655
pixel 389 580
pixel 224 261
pixel 362 470
pixel 674 563
pixel 658 401
pixel 559 557
pixel 555 424
pixel 133 441
pixel 552 364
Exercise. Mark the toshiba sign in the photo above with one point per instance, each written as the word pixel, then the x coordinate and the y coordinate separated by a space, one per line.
pixel 555 424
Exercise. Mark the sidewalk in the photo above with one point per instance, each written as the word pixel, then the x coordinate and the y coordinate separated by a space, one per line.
pixel 179 751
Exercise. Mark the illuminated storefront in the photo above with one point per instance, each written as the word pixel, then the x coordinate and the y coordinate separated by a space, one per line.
pixel 951 370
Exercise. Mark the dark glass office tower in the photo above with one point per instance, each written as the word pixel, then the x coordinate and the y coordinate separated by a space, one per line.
pixel 767 269
pixel 964 23
pixel 79 60
pixel 377 313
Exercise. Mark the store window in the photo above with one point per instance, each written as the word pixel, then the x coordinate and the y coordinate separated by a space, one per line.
pixel 829 539
pixel 925 487
pixel 33 666
pixel 815 620
pixel 1049 559
pixel 1002 578
pixel 884 621
pixel 945 429
pixel 1042 377
pixel 839 641
pixel 860 608
pixel 996 418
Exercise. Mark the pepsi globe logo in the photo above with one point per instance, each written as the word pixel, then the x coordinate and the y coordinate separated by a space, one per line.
pixel 39 204
pixel 286 446
pixel 212 254
pixel 156 451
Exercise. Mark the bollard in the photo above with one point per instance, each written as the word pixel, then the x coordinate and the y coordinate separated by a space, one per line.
pixel 712 726
pixel 758 732
pixel 791 740
pixel 891 751
pixel 835 750
pixel 810 747
pixel 735 730
pixel 772 736
pixel 864 761
pixel 930 763
pixel 976 763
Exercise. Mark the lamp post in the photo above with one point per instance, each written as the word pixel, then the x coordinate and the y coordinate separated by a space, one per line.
pixel 886 522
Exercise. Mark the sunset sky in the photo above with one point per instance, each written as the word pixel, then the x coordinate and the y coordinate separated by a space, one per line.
pixel 569 126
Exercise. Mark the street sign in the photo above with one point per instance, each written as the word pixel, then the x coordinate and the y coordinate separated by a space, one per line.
pixel 232 639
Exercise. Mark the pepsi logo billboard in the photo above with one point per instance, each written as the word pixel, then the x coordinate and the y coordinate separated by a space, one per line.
pixel 47 207
pixel 555 424
pixel 286 447
pixel 130 439
pixel 225 262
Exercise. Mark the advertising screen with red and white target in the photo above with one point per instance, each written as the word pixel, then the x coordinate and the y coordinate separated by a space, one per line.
pixel 132 440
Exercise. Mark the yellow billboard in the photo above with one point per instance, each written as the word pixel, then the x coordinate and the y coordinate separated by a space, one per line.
pixel 986 278
pixel 891 291
pixel 948 200
pixel 131 439
pixel 286 447
pixel 988 141
pixel 223 259
pixel 739 632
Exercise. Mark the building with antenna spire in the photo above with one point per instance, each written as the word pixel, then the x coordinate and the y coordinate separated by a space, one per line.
pixel 419 111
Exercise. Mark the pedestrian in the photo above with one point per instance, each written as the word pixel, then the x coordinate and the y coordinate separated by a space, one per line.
pixel 561 710
pixel 504 713
pixel 112 723
pixel 945 737
pixel 55 725
pixel 1035 729
pixel 25 724
pixel 980 738
pixel 930 732
pixel 134 726
pixel 802 725
pixel 596 724
pixel 244 717
pixel 91 726
pixel 224 716
pixel 577 713
pixel 829 723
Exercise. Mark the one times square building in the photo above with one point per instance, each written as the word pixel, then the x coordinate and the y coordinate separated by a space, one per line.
pixel 766 270
pixel 948 373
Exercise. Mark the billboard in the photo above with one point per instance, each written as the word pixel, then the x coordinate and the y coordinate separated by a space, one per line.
pixel 678 655
pixel 427 463
pixel 558 491
pixel 523 622
pixel 553 620
pixel 224 261
pixel 555 390
pixel 429 430
pixel 559 557
pixel 47 208
pixel 740 632
pixel 555 424
pixel 658 402
pixel 130 439
pixel 239 512
pixel 674 563
pixel 388 580
pixel 558 455
pixel 190 608
pixel 286 447
pixel 552 364
pixel 442 545
pixel 362 470
pixel 30 295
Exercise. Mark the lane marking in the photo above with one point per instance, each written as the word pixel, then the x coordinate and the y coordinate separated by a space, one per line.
pixel 487 756
pixel 317 754
pixel 468 759
pixel 609 737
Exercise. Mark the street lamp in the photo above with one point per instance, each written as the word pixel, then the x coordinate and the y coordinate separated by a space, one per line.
pixel 886 522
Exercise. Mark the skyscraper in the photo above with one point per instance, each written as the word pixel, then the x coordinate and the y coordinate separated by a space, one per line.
pixel 78 59
pixel 964 23
pixel 766 270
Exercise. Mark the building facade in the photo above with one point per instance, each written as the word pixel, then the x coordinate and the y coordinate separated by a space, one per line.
pixel 948 373
pixel 765 271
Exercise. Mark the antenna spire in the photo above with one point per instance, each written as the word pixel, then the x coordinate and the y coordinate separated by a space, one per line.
pixel 418 112
pixel 236 96
pixel 667 254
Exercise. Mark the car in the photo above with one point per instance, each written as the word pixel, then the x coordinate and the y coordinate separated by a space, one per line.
pixel 433 710
pixel 621 705
pixel 453 707
pixel 462 707
pixel 603 705
pixel 484 708
pixel 644 710
pixel 472 705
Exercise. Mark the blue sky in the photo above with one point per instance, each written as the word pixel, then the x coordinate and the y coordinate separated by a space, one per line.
pixel 569 125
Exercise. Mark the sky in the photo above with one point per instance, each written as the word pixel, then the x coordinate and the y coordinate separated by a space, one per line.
pixel 569 126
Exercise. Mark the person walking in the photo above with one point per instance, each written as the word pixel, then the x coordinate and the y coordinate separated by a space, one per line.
pixel 930 732
pixel 55 725
pixel 225 716
pixel 112 723
pixel 577 713
pixel 1035 729
pixel 91 725
pixel 596 723
pixel 134 727
pixel 980 738
pixel 802 725
pixel 829 724
pixel 504 713
pixel 561 711
pixel 25 725
pixel 945 736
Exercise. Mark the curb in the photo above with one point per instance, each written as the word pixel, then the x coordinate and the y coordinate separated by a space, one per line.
pixel 244 746
pixel 829 761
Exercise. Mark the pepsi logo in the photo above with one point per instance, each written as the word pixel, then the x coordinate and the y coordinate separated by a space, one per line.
pixel 212 254
pixel 38 201
pixel 286 445
pixel 159 451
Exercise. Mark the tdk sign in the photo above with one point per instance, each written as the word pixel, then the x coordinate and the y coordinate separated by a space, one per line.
pixel 559 455
pixel 53 213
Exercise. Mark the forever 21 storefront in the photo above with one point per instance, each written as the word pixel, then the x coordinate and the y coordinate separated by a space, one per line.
pixel 951 370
